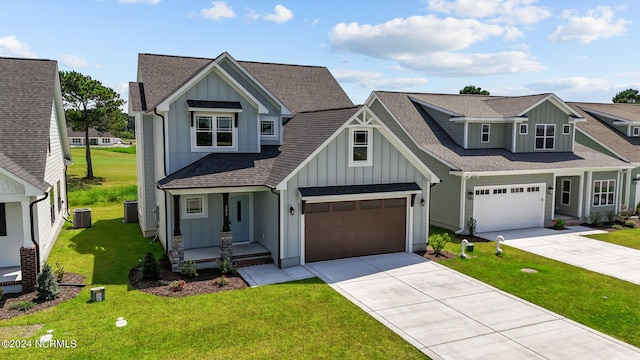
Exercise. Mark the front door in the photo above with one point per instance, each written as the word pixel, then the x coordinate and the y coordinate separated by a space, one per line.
pixel 239 217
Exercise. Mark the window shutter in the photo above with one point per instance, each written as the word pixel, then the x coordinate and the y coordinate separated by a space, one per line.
pixel 3 220
pixel 235 123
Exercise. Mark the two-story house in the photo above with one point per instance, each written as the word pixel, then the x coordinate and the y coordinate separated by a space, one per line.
pixel 235 154
pixel 34 154
pixel 508 162
pixel 614 129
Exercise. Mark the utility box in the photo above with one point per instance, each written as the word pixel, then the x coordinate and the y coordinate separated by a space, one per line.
pixel 97 294
pixel 470 247
pixel 81 218
pixel 130 211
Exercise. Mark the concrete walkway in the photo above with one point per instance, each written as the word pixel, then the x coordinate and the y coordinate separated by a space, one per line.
pixel 571 247
pixel 448 315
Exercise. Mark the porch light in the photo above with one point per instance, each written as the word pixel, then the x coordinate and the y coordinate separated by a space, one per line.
pixel 635 180
pixel 470 195
pixel 550 190
pixel 292 211
pixel 422 202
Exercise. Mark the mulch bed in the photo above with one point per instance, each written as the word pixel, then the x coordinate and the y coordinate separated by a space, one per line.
pixel 202 284
pixel 431 255
pixel 66 293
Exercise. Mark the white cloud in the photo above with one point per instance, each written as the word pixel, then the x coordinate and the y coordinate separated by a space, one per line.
pixel 281 15
pixel 77 62
pixel 151 2
pixel 218 11
pixel 579 88
pixel 504 11
pixel 598 23
pixel 11 46
pixel 433 45
pixel 376 80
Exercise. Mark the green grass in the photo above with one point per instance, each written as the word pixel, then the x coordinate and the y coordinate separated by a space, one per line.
pixel 304 319
pixel 607 304
pixel 629 238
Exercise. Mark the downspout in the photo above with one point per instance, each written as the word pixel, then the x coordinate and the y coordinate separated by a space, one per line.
pixel 463 201
pixel 164 171
pixel 277 193
pixel 429 209
pixel 33 231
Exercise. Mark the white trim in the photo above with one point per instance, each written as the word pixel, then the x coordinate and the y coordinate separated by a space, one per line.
pixel 526 129
pixel 409 226
pixel 214 132
pixel 558 171
pixel 199 215
pixel 589 188
pixel 544 137
pixel 600 193
pixel 635 131
pixel 580 194
pixel 274 120
pixel 482 133
pixel 566 126
pixel 218 190
pixel 465 139
pixel 282 229
pixel 617 120
pixel 212 67
pixel 562 192
pixel 350 152
pixel 215 110
pixel 358 197
pixel 494 120
pixel 558 103
pixel 303 239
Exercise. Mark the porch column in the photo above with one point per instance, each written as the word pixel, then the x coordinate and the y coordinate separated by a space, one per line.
pixel 177 241
pixel 226 237
pixel 26 224
pixel 176 215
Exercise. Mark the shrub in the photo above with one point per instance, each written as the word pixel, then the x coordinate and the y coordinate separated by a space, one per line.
pixel 150 268
pixel 630 223
pixel 611 216
pixel 471 226
pixel 22 305
pixel 47 287
pixel 59 272
pixel 594 218
pixel 617 226
pixel 438 241
pixel 558 224
pixel 1 292
pixel 176 285
pixel 221 281
pixel 188 268
pixel 226 266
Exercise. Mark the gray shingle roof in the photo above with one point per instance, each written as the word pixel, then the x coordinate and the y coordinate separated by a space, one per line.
pixel 299 88
pixel 272 164
pixel 92 133
pixel 628 147
pixel 431 137
pixel 480 106
pixel 27 90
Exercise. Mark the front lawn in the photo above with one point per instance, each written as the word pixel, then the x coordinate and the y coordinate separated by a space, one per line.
pixel 607 304
pixel 304 319
pixel 629 238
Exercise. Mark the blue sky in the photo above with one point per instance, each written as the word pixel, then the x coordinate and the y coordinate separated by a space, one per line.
pixel 580 50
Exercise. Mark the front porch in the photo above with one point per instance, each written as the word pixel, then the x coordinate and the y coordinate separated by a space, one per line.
pixel 242 255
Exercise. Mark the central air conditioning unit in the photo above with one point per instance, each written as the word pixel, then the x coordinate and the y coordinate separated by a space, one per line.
pixel 130 211
pixel 81 218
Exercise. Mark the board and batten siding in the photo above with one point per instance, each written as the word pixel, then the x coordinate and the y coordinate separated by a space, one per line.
pixel 454 130
pixel 574 194
pixel 330 168
pixel 266 221
pixel 214 88
pixel 546 113
pixel 604 175
pixel 583 139
pixel 145 156
pixel 497 136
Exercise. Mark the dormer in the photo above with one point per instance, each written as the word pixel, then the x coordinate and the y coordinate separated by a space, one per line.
pixel 626 122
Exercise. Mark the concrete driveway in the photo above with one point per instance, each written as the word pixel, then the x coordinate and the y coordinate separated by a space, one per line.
pixel 571 247
pixel 448 315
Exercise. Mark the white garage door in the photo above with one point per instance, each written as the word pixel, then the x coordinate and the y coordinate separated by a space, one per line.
pixel 506 207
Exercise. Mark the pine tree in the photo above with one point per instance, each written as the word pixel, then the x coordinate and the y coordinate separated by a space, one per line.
pixel 150 269
pixel 47 285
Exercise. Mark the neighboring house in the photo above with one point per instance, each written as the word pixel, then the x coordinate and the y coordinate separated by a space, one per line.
pixel 614 129
pixel 77 138
pixel 34 153
pixel 506 161
pixel 270 155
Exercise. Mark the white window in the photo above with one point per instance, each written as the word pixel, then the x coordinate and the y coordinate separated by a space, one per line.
pixel 106 140
pixel 268 128
pixel 93 141
pixel 566 129
pixel 524 129
pixel 194 207
pixel 360 146
pixel 76 141
pixel 635 131
pixel 484 133
pixel 566 192
pixel 213 132
pixel 545 136
pixel 604 192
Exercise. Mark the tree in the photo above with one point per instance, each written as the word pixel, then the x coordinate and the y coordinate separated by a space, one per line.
pixel 627 96
pixel 89 104
pixel 47 286
pixel 472 89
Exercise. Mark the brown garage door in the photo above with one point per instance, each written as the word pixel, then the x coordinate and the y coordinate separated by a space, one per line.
pixel 354 228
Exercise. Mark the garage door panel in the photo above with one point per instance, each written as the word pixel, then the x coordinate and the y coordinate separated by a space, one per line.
pixel 355 229
pixel 508 207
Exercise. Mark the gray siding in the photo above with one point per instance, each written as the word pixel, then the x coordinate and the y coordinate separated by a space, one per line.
pixel 574 205
pixel 146 179
pixel 496 136
pixel 455 130
pixel 583 139
pixel 204 232
pixel 212 87
pixel 330 167
pixel 265 209
pixel 546 113
pixel 605 175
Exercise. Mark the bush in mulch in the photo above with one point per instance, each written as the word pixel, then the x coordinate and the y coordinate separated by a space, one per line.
pixel 204 283
pixel 66 293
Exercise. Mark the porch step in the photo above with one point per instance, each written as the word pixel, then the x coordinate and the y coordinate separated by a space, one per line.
pixel 240 260
pixel 572 222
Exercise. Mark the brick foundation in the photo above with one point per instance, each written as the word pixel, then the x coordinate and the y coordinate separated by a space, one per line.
pixel 29 267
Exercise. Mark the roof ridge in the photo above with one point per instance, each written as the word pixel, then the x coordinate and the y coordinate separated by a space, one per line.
pixel 24 58
pixel 329 109
pixel 281 64
pixel 179 56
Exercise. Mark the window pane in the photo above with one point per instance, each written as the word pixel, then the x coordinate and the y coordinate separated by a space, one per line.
pixel 523 129
pixel 360 138
pixel 565 198
pixel 539 143
pixel 596 188
pixel 551 130
pixel 194 205
pixel 224 139
pixel 539 130
pixel 612 186
pixel 224 123
pixel 566 186
pixel 596 199
pixel 485 137
pixel 485 128
pixel 204 139
pixel 549 143
pixel 610 199
pixel 359 153
pixel 203 123
pixel 266 128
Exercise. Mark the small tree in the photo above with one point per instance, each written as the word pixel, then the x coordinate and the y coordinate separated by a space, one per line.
pixel 150 268
pixel 47 285
pixel 627 96
pixel 438 242
pixel 472 89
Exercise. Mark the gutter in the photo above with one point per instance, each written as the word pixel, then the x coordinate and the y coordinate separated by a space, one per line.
pixel 33 232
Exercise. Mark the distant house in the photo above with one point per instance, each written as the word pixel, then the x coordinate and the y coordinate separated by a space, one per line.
pixel 77 138
pixel 34 154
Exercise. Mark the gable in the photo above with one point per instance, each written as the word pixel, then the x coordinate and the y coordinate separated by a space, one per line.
pixel 8 186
